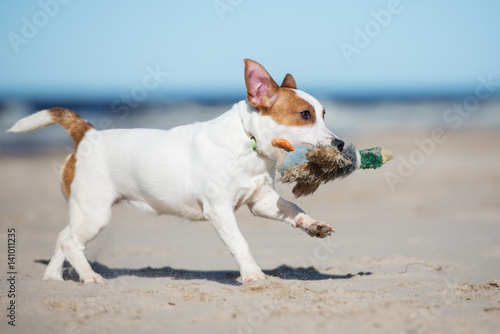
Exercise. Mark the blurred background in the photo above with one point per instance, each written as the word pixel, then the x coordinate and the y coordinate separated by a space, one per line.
pixel 163 63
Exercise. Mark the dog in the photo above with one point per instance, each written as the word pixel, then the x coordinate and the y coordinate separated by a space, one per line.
pixel 173 172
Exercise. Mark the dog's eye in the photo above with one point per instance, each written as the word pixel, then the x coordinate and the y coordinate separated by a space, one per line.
pixel 306 114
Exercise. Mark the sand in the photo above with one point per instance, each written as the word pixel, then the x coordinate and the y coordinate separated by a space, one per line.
pixel 421 256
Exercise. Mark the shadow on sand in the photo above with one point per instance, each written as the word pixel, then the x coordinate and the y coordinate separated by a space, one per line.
pixel 224 277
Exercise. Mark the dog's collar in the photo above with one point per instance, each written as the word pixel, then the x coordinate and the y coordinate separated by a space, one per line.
pixel 253 141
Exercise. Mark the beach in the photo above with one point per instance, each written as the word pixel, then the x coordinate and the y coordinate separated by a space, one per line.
pixel 416 250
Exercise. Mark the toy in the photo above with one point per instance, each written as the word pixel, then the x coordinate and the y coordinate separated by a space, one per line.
pixel 309 165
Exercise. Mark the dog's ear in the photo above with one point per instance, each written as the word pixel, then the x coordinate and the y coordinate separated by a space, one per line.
pixel 289 82
pixel 262 90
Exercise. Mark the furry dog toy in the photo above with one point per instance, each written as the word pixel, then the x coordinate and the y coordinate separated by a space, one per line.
pixel 309 166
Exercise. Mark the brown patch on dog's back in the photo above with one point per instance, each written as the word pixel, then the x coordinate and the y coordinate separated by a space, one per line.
pixel 286 110
pixel 77 127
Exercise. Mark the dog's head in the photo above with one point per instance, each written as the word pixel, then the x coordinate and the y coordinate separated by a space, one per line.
pixel 290 113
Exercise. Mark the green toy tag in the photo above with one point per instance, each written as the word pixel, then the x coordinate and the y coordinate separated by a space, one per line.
pixel 371 158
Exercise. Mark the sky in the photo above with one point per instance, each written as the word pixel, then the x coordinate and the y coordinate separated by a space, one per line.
pixel 157 48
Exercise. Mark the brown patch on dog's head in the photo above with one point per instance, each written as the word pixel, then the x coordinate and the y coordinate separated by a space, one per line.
pixel 280 103
pixel 291 110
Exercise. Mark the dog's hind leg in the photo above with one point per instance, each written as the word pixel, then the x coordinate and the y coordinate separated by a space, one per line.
pixel 54 269
pixel 87 219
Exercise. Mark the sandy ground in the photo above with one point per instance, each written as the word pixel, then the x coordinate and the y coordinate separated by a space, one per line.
pixel 420 257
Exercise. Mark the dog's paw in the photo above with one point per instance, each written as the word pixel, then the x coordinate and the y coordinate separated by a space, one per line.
pixel 52 276
pixel 94 278
pixel 319 230
pixel 253 276
pixel 315 228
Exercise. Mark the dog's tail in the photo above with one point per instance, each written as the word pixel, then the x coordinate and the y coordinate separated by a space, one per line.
pixel 71 121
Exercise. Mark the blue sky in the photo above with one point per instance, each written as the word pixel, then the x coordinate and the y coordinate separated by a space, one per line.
pixel 103 48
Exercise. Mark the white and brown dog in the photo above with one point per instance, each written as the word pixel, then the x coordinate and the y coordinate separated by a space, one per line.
pixel 173 172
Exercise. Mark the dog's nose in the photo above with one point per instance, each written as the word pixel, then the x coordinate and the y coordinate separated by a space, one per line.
pixel 338 143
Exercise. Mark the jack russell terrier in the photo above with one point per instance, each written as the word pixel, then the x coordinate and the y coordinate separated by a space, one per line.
pixel 202 171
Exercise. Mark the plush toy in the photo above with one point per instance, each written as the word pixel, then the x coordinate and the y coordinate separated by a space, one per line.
pixel 309 166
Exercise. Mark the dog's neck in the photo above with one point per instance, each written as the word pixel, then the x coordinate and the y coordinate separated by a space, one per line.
pixel 255 126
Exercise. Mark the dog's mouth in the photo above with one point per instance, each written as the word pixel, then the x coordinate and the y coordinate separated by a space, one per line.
pixel 285 144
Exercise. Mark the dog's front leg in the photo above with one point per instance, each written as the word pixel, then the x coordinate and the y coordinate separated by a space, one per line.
pixel 268 204
pixel 223 220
